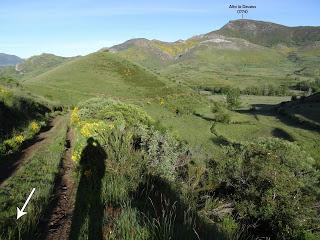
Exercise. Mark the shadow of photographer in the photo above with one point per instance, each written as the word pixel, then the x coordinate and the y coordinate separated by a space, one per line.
pixel 88 203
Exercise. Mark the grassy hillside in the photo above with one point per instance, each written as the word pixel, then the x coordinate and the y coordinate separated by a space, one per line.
pixel 98 74
pixel 153 54
pixel 233 62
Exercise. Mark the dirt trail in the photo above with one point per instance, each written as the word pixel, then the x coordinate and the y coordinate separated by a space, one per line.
pixel 12 165
pixel 57 221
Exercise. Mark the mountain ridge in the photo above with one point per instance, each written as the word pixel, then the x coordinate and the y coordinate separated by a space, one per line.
pixel 9 60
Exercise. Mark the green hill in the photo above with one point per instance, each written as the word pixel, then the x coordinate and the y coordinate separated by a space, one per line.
pixel 221 61
pixel 98 74
pixel 153 54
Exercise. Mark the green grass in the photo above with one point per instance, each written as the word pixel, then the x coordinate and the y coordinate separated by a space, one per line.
pixel 38 172
pixel 249 100
pixel 243 127
pixel 98 74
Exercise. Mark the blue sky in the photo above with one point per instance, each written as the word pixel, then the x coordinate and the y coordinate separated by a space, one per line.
pixel 78 27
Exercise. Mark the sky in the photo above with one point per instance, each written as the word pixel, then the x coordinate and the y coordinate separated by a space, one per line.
pixel 79 27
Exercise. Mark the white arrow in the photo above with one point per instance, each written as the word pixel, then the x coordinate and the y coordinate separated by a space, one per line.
pixel 20 213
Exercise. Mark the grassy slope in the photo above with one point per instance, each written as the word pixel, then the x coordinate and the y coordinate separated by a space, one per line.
pixel 247 126
pixel 210 66
pixel 98 74
pixel 153 54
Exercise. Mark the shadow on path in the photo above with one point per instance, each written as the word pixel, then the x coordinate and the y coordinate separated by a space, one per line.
pixel 88 212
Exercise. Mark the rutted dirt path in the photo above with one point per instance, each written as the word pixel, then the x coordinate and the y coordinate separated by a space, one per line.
pixel 12 165
pixel 56 223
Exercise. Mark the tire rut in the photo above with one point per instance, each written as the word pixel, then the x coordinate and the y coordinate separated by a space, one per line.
pixel 56 223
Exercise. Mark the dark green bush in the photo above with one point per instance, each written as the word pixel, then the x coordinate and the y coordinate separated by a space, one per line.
pixel 273 185
pixel 233 98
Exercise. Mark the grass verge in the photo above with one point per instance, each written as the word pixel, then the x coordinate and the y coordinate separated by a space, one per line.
pixel 38 172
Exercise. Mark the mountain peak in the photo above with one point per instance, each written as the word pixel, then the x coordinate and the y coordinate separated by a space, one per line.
pixel 268 33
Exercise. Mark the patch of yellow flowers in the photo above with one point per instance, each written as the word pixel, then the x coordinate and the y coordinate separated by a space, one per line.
pixel 74 118
pixel 91 129
pixel 4 92
pixel 76 155
pixel 19 139
pixel 34 127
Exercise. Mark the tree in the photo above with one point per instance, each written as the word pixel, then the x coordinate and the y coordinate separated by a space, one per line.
pixel 233 98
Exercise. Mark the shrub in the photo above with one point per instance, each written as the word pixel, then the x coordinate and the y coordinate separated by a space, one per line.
pixel 122 129
pixel 34 128
pixel 273 184
pixel 12 145
pixel 223 117
pixel 233 98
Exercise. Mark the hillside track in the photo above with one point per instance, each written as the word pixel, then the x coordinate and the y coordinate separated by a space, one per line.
pixel 9 168
pixel 56 223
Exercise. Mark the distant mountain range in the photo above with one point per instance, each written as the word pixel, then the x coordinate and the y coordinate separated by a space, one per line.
pixel 9 60
pixel 243 53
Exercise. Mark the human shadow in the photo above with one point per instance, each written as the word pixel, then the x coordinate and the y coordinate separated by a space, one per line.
pixel 89 205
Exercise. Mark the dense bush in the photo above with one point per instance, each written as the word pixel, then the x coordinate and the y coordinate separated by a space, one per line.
pixel 111 122
pixel 264 90
pixel 135 150
pixel 308 85
pixel 273 186
pixel 233 98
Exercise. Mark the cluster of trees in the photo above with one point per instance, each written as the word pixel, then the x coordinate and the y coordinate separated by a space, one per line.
pixel 265 90
pixel 313 86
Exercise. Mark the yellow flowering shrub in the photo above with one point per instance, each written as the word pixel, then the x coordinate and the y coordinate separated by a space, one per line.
pixel 19 139
pixel 34 127
pixel 11 145
pixel 161 101
pixel 90 129
pixel 4 93
pixel 76 155
pixel 74 118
